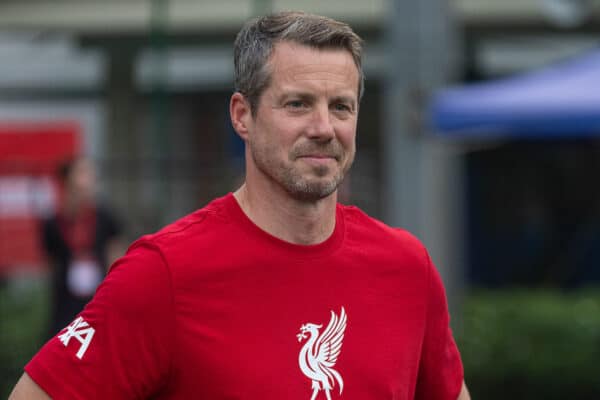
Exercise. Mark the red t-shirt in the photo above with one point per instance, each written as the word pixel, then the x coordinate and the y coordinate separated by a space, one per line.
pixel 212 307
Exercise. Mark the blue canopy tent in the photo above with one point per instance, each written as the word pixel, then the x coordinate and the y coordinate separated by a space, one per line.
pixel 559 101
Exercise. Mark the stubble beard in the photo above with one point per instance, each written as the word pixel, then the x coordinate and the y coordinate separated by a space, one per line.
pixel 306 187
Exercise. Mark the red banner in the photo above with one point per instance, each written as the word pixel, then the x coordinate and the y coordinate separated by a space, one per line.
pixel 30 153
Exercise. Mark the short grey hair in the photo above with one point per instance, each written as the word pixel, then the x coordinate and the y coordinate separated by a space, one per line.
pixel 257 38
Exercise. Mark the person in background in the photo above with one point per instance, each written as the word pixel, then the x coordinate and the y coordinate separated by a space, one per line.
pixel 275 291
pixel 81 240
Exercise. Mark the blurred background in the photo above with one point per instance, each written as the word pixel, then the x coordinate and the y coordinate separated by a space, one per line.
pixel 478 132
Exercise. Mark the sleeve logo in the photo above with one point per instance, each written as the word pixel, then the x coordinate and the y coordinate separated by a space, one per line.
pixel 81 331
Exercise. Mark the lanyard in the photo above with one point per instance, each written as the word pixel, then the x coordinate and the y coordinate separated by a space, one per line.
pixel 79 232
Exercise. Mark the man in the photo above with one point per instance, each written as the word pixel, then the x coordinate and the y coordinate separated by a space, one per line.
pixel 274 291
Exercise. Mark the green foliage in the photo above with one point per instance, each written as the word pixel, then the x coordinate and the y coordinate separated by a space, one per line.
pixel 515 344
pixel 23 316
pixel 522 344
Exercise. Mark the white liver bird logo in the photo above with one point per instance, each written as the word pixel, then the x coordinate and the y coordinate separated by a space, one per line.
pixel 320 353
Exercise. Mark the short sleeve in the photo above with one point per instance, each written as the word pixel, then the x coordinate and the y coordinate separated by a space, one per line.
pixel 119 346
pixel 440 370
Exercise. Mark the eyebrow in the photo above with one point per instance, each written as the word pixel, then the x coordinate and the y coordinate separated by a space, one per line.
pixel 299 95
pixel 310 97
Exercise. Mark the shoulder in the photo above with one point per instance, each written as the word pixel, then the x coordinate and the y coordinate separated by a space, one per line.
pixel 202 229
pixel 137 282
pixel 358 222
pixel 384 245
pixel 149 271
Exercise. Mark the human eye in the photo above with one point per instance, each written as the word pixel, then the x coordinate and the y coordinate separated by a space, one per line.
pixel 342 108
pixel 295 104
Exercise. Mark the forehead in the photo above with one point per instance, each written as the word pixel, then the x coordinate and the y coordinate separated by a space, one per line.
pixel 291 62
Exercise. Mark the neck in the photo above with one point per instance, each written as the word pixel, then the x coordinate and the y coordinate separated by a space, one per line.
pixel 288 219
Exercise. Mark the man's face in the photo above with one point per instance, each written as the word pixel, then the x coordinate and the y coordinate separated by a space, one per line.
pixel 302 137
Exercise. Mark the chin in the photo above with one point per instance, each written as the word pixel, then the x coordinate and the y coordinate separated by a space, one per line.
pixel 312 191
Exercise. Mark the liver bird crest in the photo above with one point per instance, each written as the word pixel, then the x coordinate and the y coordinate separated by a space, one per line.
pixel 320 353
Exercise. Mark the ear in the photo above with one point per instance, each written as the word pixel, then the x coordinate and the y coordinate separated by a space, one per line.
pixel 241 115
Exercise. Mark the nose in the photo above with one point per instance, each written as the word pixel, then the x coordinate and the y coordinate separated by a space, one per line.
pixel 321 127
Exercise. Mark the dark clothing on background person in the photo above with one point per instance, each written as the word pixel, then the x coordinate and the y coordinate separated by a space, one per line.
pixel 77 253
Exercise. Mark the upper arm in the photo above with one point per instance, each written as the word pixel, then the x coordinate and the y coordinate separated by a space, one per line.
pixel 440 373
pixel 27 389
pixel 123 336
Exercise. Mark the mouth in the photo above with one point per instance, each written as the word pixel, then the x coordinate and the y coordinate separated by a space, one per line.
pixel 318 158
